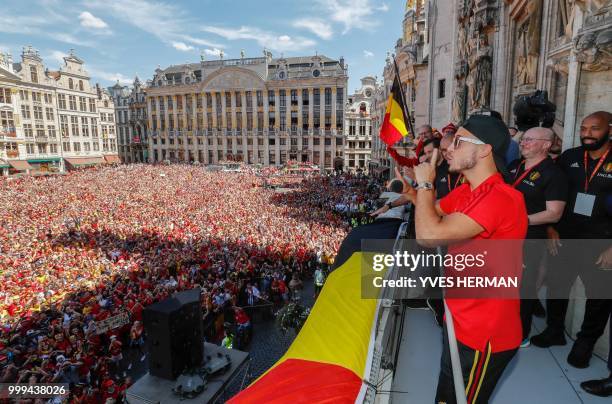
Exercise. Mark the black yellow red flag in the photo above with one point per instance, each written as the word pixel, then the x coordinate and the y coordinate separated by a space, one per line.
pixel 396 122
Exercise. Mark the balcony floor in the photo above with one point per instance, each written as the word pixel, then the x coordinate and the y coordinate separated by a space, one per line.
pixel 535 375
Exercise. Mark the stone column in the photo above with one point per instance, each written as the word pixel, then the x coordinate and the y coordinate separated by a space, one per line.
pixel 255 108
pixel 149 117
pixel 277 149
pixel 205 110
pixel 288 109
pixel 233 109
pixel 310 108
pixel 224 123
pixel 333 106
pixel 194 112
pixel 266 145
pixel 277 108
pixel 322 107
pixel 157 114
pixel 204 126
pixel 243 109
pixel 184 107
pixel 166 114
pixel 243 101
pixel 573 88
pixel 266 121
pixel 300 106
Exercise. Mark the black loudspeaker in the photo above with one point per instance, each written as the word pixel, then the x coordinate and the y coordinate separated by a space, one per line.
pixel 175 337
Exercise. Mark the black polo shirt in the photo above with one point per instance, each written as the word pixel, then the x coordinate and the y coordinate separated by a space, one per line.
pixel 445 182
pixel 544 182
pixel 599 224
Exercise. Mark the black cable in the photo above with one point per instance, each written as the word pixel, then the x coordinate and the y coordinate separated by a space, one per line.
pixel 401 333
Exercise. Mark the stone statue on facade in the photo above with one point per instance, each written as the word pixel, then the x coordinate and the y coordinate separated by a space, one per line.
pixel 593 6
pixel 528 45
pixel 480 74
pixel 594 50
pixel 569 8
pixel 458 103
pixel 462 42
pixel 568 15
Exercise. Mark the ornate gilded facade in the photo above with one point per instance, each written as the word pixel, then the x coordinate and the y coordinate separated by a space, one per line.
pixel 257 110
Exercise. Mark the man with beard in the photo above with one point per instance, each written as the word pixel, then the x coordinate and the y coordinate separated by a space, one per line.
pixel 445 180
pixel 488 329
pixel 587 217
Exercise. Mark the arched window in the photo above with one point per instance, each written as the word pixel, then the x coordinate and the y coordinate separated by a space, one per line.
pixel 362 107
pixel 81 85
pixel 70 84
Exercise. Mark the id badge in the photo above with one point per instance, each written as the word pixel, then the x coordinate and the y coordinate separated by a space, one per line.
pixel 584 204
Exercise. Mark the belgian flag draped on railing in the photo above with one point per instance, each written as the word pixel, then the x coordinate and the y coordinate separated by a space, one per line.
pixel 332 355
pixel 397 121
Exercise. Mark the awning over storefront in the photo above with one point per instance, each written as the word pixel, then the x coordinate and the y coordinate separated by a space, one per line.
pixel 84 161
pixel 20 165
pixel 112 159
pixel 45 160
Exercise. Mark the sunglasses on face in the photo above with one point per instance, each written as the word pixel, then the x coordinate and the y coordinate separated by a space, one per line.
pixel 459 139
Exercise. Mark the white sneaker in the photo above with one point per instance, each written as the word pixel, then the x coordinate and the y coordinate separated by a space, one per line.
pixel 143 358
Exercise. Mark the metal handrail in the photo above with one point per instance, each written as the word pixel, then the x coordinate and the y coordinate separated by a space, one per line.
pixel 385 341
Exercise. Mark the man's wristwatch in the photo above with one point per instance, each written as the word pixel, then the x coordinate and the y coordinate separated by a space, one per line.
pixel 425 185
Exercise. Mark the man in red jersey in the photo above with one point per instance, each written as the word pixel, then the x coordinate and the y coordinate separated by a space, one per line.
pixel 488 329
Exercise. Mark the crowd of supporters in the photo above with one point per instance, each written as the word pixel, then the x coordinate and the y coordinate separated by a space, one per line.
pixel 89 246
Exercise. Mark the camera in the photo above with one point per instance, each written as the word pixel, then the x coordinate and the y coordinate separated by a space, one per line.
pixel 534 110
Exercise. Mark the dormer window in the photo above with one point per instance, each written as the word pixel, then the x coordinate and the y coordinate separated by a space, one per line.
pixel 33 74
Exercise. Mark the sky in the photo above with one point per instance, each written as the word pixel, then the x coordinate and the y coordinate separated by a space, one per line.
pixel 119 39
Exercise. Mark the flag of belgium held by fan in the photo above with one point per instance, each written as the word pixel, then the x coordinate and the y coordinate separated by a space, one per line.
pixel 394 126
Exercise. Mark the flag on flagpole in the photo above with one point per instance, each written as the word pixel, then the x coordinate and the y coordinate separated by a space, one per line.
pixel 396 122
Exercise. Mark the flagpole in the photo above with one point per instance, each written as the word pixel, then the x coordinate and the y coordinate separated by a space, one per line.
pixel 404 103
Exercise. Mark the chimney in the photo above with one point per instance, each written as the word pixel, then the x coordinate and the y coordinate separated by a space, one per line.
pixel 9 60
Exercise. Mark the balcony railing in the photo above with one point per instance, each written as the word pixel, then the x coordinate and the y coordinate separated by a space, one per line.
pixel 8 131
